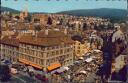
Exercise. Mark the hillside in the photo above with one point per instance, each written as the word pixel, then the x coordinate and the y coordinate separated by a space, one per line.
pixel 9 9
pixel 103 12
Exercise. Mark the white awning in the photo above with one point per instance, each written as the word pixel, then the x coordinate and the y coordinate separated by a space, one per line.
pixel 60 70
pixel 81 58
pixel 53 72
pixel 66 68
pixel 88 59
pixel 31 69
pixel 97 50
pixel 84 72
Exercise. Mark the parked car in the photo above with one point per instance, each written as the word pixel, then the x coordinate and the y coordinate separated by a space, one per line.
pixel 31 74
pixel 41 77
pixel 4 73
pixel 14 71
pixel 38 76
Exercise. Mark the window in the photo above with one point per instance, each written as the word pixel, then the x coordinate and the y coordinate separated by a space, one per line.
pixel 57 52
pixel 65 50
pixel 65 45
pixel 48 62
pixel 78 51
pixel 42 48
pixel 53 53
pixel 42 62
pixel 32 47
pixel 39 48
pixel 48 54
pixel 53 47
pixel 47 48
pixel 39 61
pixel 35 47
pixel 68 56
pixel 78 47
pixel 41 54
pixel 38 55
pixel 36 60
pixel 61 51
pixel 68 49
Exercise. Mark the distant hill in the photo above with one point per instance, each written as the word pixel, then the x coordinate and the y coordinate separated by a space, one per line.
pixel 17 11
pixel 103 12
pixel 9 9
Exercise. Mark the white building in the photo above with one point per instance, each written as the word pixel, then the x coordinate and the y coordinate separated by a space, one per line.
pixel 120 62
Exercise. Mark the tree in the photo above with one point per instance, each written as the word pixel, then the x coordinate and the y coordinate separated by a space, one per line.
pixel 4 73
pixel 49 21
pixel 28 18
pixel 17 17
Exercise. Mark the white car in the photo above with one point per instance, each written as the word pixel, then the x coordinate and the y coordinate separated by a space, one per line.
pixel 14 71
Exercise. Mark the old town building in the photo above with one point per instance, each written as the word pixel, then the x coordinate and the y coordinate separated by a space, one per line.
pixel 23 14
pixel 10 48
pixel 81 48
pixel 41 18
pixel 47 50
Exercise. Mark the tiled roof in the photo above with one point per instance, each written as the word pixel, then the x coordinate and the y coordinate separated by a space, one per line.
pixel 51 33
pixel 21 26
pixel 10 41
pixel 52 39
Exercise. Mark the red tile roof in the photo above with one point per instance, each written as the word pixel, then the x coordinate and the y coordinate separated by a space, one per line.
pixel 10 41
pixel 52 39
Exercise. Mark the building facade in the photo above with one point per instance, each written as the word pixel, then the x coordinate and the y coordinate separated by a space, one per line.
pixel 46 51
pixel 81 49
pixel 10 49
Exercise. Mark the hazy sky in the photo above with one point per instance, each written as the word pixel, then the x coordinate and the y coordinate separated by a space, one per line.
pixel 53 6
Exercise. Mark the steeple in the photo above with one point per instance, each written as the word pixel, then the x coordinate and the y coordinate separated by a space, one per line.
pixel 24 12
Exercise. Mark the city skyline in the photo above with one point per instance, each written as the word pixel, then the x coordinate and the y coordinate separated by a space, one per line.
pixel 58 6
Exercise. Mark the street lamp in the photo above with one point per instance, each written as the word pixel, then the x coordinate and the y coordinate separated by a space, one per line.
pixel 127 11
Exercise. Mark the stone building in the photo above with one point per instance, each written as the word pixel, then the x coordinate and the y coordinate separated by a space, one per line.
pixel 81 46
pixel 47 50
pixel 23 14
pixel 10 48
pixel 40 18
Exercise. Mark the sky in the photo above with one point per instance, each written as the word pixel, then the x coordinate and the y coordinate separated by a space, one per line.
pixel 54 6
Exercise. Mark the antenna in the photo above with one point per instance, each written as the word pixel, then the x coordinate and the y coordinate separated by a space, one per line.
pixel 25 7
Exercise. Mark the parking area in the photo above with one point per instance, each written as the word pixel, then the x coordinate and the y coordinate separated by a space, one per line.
pixel 82 70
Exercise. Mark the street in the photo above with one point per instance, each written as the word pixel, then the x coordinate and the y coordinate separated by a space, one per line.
pixel 20 78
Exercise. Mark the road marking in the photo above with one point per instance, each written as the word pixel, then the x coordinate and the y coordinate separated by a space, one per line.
pixel 19 79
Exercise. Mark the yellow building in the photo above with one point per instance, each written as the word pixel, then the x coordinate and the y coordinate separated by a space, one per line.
pixel 81 48
pixel 47 50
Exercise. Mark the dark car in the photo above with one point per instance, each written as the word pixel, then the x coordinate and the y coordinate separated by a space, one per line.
pixel 38 76
pixel 19 67
pixel 4 73
pixel 31 74
pixel 41 77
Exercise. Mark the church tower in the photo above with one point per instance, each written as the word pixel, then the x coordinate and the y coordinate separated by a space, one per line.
pixel 24 13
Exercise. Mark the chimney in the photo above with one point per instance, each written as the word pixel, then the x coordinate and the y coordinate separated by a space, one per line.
pixel 65 31
pixel 46 32
pixel 33 33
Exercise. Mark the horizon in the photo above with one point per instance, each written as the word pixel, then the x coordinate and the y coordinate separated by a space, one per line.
pixel 60 6
pixel 69 10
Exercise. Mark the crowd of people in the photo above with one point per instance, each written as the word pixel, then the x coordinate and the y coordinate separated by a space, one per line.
pixel 99 32
pixel 79 72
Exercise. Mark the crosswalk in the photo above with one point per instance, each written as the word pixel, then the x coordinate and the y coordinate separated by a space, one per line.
pixel 19 79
